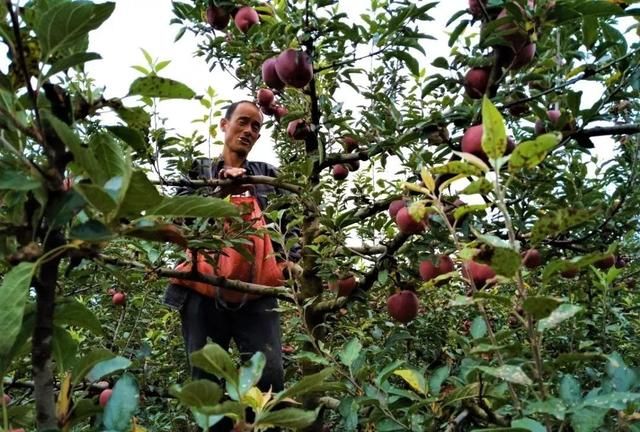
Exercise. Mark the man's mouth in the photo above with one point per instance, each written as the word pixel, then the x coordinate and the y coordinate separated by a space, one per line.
pixel 244 140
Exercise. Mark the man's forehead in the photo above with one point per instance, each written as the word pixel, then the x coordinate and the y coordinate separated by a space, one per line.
pixel 248 110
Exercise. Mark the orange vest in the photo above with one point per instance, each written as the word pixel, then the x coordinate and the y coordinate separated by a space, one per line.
pixel 263 270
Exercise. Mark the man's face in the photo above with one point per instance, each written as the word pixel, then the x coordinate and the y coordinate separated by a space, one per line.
pixel 242 130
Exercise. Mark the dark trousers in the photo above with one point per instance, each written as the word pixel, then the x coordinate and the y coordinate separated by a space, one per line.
pixel 254 326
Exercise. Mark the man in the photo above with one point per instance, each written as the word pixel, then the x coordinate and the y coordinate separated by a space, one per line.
pixel 253 324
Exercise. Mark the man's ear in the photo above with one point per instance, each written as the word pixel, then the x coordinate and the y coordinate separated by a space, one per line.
pixel 223 124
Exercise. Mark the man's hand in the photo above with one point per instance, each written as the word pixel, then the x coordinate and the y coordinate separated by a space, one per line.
pixel 291 270
pixel 231 173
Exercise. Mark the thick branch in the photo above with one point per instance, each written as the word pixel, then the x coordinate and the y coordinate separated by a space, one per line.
pixel 245 287
pixel 237 181
pixel 620 129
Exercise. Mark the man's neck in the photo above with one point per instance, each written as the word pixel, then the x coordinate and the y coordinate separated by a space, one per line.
pixel 232 159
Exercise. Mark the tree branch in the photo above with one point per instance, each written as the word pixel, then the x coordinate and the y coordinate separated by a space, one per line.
pixel 336 158
pixel 237 181
pixel 350 61
pixel 280 292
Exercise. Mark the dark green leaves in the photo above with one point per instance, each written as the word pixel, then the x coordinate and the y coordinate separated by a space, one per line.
pixel 198 394
pixel 13 295
pixel 65 23
pixel 155 86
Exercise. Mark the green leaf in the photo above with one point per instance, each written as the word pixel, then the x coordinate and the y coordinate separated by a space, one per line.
pixel 306 385
pixel 135 117
pixel 436 380
pixel 215 360
pixel 228 408
pixel 478 327
pixel 109 156
pixel 97 197
pixel 559 221
pixel 86 363
pixel 198 394
pixel 552 406
pixel 81 156
pixel 122 405
pixel 480 186
pixel 410 61
pixel 13 297
pixel 249 375
pixel 194 206
pixel 461 211
pixel 91 231
pixel 70 61
pixel 64 348
pixel 107 367
pixel 350 352
pixel 74 313
pixel 155 86
pixel 505 261
pixel 588 419
pixel 510 373
pixel 622 377
pixel 457 167
pixel 17 180
pixel 414 378
pixel 141 195
pixel 570 390
pixel 494 135
pixel 133 137
pixel 65 23
pixel 589 31
pixel 559 315
pixel 614 400
pixel 529 154
pixel 541 307
pixel 63 210
pixel 529 424
pixel 289 418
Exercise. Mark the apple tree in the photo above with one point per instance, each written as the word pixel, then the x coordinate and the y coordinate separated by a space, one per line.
pixel 468 220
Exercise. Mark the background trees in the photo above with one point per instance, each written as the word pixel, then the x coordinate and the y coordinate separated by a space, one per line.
pixel 544 344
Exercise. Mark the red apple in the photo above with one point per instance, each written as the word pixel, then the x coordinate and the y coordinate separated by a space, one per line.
pixel 265 97
pixel 340 172
pixel 407 224
pixel 476 81
pixel 245 18
pixel 119 299
pixel 553 116
pixel 269 75
pixel 511 32
pixel 444 265
pixel 532 258
pixel 288 349
pixel 217 17
pixel 111 291
pixel 269 110
pixel 346 286
pixel 403 306
pixel 294 68
pixel 349 143
pixel 395 206
pixel 475 7
pixel 6 399
pixel 105 395
pixel 472 141
pixel 427 270
pixel 605 263
pixel 480 273
pixel 524 56
pixel 280 111
pixel 297 129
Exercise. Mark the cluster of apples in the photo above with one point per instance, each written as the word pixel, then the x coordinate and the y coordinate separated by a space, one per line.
pixel 341 171
pixel 244 17
pixel 405 222
pixel 519 52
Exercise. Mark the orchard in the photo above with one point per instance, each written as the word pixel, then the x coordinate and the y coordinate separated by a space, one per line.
pixel 468 220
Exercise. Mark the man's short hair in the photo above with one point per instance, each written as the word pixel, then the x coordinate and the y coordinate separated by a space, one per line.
pixel 232 108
